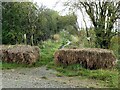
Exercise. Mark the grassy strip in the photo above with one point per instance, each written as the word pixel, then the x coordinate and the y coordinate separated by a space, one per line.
pixel 108 76
pixel 4 65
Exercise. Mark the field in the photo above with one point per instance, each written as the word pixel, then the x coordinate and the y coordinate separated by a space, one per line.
pixel 47 50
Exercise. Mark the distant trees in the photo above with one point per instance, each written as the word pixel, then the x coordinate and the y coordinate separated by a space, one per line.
pixel 69 23
pixel 103 15
pixel 25 22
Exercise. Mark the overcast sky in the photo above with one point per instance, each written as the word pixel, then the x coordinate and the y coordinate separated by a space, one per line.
pixel 52 4
pixel 60 8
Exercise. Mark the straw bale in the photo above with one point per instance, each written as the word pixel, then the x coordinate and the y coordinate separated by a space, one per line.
pixel 91 58
pixel 19 53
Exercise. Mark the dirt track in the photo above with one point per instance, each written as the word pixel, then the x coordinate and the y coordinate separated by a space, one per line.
pixel 40 77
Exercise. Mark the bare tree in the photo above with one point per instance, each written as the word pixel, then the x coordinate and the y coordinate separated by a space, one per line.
pixel 103 15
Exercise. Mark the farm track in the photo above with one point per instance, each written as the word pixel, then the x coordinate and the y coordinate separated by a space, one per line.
pixel 40 77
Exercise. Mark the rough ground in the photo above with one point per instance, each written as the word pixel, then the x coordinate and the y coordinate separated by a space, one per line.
pixel 40 77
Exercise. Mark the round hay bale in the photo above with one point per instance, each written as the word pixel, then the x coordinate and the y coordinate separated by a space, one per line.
pixel 56 37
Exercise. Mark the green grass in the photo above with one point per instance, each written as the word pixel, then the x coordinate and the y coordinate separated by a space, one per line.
pixel 59 75
pixel 5 65
pixel 9 65
pixel 108 76
pixel 48 49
